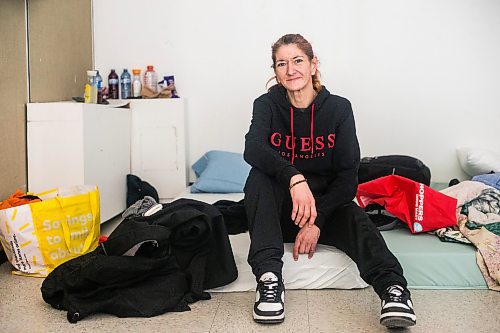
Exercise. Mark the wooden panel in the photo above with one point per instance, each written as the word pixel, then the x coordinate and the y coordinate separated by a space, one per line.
pixel 13 94
pixel 60 48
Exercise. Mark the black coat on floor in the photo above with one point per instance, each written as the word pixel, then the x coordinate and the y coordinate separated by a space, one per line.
pixel 148 265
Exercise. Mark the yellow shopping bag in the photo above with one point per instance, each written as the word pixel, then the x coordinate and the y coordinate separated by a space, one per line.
pixel 37 237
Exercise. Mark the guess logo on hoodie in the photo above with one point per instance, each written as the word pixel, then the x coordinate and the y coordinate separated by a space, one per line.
pixel 302 145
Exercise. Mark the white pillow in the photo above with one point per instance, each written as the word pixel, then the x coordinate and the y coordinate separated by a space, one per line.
pixel 475 161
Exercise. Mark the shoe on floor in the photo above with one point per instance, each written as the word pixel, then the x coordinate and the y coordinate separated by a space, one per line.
pixel 397 308
pixel 269 307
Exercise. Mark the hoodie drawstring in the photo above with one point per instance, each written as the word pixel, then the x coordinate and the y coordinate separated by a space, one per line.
pixel 312 129
pixel 293 136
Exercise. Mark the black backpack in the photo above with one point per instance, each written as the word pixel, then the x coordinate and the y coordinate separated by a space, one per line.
pixel 371 168
pixel 137 189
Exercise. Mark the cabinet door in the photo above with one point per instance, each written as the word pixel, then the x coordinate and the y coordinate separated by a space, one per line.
pixel 54 145
pixel 158 148
pixel 73 143
pixel 107 156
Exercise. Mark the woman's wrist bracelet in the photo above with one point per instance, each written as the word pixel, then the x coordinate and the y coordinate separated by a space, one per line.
pixel 297 182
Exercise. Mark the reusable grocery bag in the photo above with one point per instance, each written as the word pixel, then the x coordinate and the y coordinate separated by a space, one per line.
pixel 39 236
pixel 419 206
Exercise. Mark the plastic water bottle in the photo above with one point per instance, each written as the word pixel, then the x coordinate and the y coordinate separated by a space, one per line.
pixel 136 83
pixel 98 80
pixel 113 85
pixel 126 84
pixel 151 79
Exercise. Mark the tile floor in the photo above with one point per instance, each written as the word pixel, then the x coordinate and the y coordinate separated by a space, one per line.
pixel 23 310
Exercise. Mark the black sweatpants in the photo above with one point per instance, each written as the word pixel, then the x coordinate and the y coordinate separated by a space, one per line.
pixel 269 207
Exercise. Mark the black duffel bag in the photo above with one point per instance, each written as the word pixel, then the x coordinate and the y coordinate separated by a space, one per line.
pixel 406 166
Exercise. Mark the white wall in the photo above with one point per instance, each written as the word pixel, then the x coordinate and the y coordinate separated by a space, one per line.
pixel 423 76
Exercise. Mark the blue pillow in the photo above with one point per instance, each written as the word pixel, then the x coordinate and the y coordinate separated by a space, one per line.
pixel 220 172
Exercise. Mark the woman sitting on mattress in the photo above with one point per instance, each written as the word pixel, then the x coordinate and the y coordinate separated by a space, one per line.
pixel 304 154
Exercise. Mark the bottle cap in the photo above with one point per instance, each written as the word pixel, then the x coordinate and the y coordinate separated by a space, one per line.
pixel 150 67
pixel 136 71
pixel 91 73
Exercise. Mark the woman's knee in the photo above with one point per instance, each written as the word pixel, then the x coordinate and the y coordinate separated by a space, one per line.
pixel 354 216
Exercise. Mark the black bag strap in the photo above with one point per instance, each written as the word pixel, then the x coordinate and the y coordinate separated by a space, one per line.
pixel 130 235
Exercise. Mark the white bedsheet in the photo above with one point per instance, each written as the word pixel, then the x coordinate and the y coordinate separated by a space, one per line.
pixel 328 268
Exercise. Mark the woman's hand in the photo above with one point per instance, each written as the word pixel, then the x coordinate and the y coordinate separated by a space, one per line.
pixel 306 241
pixel 304 206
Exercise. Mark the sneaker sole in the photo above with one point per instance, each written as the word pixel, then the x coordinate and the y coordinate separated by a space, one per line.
pixel 269 319
pixel 397 322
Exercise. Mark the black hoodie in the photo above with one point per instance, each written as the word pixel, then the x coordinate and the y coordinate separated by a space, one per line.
pixel 330 164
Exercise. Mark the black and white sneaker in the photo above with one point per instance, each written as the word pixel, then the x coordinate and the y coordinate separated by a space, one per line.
pixel 269 307
pixel 397 308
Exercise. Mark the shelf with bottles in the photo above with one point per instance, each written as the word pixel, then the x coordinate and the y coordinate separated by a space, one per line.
pixel 127 86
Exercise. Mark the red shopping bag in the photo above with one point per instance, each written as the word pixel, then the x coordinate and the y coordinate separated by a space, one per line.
pixel 421 207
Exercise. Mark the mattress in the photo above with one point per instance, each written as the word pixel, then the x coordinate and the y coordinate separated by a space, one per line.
pixel 427 262
pixel 328 268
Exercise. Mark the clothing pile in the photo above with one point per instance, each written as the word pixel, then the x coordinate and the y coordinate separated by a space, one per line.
pixel 478 215
pixel 149 265
pixel 18 198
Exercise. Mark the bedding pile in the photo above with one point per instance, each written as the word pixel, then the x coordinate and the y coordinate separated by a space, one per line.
pixel 478 222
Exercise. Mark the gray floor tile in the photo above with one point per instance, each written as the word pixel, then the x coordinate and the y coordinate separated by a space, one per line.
pixel 445 311
pixel 456 310
pixel 235 314
pixel 344 311
pixel 22 309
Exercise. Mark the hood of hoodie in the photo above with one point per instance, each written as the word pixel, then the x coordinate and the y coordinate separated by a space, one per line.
pixel 309 137
pixel 279 96
pixel 297 117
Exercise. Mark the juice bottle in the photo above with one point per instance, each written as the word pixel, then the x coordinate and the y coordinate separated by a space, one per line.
pixel 90 94
pixel 150 79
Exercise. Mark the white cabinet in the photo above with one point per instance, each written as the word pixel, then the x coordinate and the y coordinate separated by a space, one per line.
pixel 158 144
pixel 72 143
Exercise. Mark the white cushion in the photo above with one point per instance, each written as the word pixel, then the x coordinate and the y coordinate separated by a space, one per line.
pixel 476 161
pixel 328 268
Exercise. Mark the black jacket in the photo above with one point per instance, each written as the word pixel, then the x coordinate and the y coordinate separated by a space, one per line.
pixel 325 147
pixel 148 265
